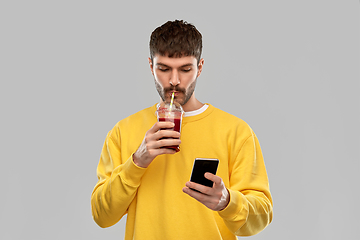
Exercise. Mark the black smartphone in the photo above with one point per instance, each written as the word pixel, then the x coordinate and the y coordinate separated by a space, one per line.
pixel 201 166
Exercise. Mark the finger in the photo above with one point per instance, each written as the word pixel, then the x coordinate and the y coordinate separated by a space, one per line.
pixel 201 188
pixel 161 125
pixel 165 124
pixel 166 134
pixel 203 198
pixel 216 179
pixel 161 151
pixel 163 143
pixel 152 136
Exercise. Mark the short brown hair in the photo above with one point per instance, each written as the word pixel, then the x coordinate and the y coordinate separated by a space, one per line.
pixel 176 39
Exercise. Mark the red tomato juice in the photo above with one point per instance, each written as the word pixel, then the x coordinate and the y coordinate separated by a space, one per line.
pixel 177 127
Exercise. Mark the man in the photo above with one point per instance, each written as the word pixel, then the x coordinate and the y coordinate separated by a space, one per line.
pixel 140 177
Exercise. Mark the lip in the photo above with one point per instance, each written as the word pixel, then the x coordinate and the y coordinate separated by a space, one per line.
pixel 175 93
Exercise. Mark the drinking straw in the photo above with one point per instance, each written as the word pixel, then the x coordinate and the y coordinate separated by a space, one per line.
pixel 172 100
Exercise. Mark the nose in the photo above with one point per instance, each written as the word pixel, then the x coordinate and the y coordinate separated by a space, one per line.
pixel 174 78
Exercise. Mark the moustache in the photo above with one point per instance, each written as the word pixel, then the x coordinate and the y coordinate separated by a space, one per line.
pixel 176 88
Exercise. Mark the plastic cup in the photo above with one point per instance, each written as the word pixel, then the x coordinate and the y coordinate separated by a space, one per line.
pixel 174 114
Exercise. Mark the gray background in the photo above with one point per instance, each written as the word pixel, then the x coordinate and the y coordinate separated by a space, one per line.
pixel 70 70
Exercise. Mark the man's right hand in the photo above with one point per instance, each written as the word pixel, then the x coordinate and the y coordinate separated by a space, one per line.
pixel 153 145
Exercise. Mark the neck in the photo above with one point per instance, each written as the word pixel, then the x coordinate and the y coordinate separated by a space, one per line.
pixel 193 105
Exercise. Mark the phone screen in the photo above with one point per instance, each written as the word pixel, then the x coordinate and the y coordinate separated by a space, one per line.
pixel 201 166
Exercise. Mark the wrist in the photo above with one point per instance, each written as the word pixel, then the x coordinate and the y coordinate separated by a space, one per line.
pixel 137 162
pixel 226 199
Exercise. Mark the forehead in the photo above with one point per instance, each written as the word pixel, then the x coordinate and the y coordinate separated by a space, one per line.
pixel 174 61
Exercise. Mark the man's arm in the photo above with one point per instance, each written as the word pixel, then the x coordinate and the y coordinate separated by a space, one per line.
pixel 116 187
pixel 246 206
pixel 118 181
pixel 250 207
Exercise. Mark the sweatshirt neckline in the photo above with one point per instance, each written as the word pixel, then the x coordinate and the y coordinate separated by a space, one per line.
pixel 197 117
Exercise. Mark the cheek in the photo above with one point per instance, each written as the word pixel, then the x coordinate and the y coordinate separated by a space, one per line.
pixel 160 78
pixel 189 78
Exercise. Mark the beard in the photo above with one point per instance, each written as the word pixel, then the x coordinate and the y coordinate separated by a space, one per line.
pixel 184 94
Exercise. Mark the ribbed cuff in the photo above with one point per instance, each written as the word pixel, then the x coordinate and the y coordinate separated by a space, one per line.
pixel 236 204
pixel 131 173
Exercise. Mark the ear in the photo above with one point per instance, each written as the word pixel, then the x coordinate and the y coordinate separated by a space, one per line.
pixel 200 66
pixel 151 66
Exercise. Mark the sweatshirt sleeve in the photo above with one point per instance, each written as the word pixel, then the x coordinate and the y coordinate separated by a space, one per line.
pixel 117 184
pixel 250 208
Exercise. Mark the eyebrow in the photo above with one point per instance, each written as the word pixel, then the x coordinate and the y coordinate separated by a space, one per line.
pixel 164 65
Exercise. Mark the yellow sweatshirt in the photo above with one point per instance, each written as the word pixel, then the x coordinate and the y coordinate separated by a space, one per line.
pixel 152 197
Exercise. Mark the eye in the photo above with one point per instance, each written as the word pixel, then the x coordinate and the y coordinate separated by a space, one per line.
pixel 163 69
pixel 186 69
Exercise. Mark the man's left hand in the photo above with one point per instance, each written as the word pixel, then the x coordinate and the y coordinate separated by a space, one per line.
pixel 215 198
